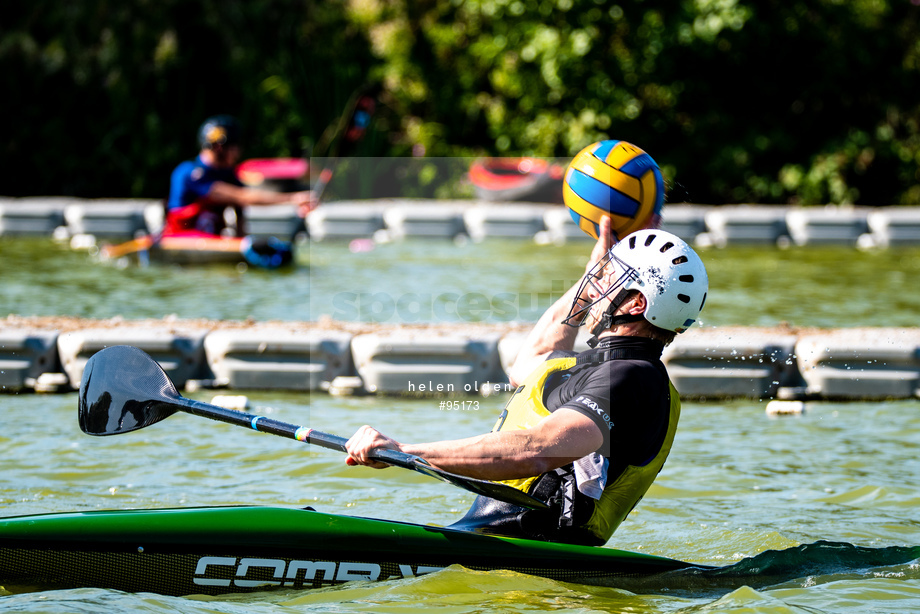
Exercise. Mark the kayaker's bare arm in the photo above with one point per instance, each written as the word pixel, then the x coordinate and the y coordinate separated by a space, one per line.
pixel 227 193
pixel 560 438
pixel 549 333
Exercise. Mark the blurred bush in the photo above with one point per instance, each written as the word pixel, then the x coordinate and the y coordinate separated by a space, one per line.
pixel 802 101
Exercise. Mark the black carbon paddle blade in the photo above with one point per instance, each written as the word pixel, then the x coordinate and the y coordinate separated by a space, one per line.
pixel 123 389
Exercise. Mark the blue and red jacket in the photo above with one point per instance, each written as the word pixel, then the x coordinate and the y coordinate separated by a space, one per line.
pixel 188 209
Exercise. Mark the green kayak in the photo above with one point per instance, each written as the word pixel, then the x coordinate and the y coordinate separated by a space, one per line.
pixel 216 550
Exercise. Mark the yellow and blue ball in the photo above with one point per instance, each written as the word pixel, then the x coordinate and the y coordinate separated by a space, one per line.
pixel 614 179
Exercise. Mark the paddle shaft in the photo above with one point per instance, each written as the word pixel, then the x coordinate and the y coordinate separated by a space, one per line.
pixel 494 490
pixel 123 389
pixel 350 128
pixel 129 247
pixel 290 431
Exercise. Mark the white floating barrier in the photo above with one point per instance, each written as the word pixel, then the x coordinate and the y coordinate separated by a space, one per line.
pixel 419 362
pixel 895 226
pixel 706 363
pixel 685 221
pixel 504 220
pixel 347 386
pixel 25 356
pixel 875 363
pixel 179 352
pixel 704 225
pixel 785 408
pixel 726 363
pixel 106 218
pixel 32 216
pixel 829 225
pixel 155 217
pixel 560 227
pixel 281 221
pixel 731 225
pixel 278 357
pixel 238 402
pixel 431 219
pixel 345 220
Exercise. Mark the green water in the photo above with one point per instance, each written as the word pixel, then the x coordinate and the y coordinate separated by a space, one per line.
pixel 738 482
pixel 439 281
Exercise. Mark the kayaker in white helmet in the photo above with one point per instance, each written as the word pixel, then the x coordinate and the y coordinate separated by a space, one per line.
pixel 585 432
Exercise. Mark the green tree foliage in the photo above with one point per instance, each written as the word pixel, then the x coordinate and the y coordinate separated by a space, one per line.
pixel 105 96
pixel 760 101
pixel 808 101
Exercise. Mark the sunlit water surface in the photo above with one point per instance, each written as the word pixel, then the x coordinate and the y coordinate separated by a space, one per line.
pixel 441 281
pixel 738 482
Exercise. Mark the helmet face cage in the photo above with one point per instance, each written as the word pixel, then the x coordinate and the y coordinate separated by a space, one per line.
pixel 668 273
pixel 580 308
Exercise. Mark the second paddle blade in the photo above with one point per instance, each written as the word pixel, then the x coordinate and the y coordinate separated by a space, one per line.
pixel 122 390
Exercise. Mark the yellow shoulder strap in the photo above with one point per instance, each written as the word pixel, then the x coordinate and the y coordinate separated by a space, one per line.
pixel 525 408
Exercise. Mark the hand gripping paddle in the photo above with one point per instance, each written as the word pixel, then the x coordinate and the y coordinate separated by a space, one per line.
pixel 124 389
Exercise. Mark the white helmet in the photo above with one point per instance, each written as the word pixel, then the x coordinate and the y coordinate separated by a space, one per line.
pixel 660 265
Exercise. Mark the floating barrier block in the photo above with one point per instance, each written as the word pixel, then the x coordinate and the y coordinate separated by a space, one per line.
pixel 435 219
pixel 238 402
pixel 560 227
pixel 104 218
pixel 747 225
pixel 25 356
pixel 826 226
pixel 345 220
pixel 874 363
pixel 726 363
pixel 895 226
pixel 278 358
pixel 347 386
pixel 281 221
pixel 32 216
pixel 686 221
pixel 179 352
pixel 419 362
pixel 155 217
pixel 785 408
pixel 504 221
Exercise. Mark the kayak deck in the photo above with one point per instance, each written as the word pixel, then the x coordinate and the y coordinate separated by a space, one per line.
pixel 198 248
pixel 182 250
pixel 218 550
